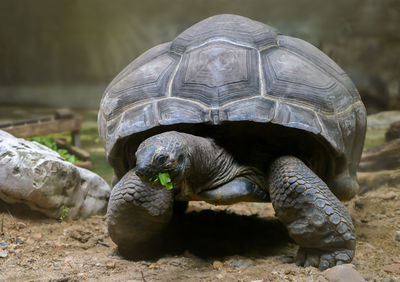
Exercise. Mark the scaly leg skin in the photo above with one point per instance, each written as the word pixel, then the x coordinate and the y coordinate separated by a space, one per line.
pixel 137 214
pixel 314 217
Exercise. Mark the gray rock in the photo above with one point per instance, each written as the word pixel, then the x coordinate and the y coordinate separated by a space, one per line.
pixel 32 174
pixel 238 263
pixel 383 120
pixel 3 254
pixel 343 273
pixel 393 132
pixel 397 236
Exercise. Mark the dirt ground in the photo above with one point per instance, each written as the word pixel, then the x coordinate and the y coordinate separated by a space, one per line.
pixel 244 242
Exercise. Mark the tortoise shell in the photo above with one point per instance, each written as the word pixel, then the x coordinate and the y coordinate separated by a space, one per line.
pixel 230 69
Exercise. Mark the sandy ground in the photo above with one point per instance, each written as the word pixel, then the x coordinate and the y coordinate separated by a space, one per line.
pixel 244 242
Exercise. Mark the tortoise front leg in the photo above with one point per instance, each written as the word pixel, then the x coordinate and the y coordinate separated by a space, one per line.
pixel 137 214
pixel 314 217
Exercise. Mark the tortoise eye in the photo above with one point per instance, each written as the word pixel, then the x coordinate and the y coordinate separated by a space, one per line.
pixel 161 159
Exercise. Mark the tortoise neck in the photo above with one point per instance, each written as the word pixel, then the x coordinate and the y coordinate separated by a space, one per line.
pixel 210 165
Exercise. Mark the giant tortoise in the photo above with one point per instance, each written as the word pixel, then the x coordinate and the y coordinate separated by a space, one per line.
pixel 232 110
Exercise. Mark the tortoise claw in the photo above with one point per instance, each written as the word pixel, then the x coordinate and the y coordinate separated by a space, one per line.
pixel 323 259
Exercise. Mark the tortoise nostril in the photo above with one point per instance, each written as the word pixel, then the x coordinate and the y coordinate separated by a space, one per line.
pixel 141 170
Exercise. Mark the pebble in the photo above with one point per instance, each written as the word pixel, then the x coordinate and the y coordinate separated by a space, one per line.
pixel 217 264
pixel 19 242
pixel 21 225
pixel 242 263
pixel 3 244
pixel 368 277
pixel 388 196
pixel 392 268
pixel 153 266
pixel 397 236
pixel 3 254
pixel 110 265
pixel 343 273
pixel 359 204
pixel 58 244
pixel 288 259
pixel 175 263
pixel 37 236
pixel 388 279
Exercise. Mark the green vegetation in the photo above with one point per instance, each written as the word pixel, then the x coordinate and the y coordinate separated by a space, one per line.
pixel 164 179
pixel 64 213
pixel 49 142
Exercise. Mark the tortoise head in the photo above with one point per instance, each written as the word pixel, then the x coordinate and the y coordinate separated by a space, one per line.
pixel 165 152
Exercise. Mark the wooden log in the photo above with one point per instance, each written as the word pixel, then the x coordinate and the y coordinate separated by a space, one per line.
pixel 44 127
pixel 80 153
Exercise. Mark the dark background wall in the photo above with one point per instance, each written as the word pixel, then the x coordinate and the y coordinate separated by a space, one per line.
pixel 65 52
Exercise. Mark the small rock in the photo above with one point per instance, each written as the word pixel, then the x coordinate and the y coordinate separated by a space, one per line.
pixel 153 266
pixel 220 276
pixel 37 236
pixel 217 264
pixel 388 279
pixel 397 236
pixel 392 268
pixel 343 273
pixel 30 241
pixel 242 263
pixel 3 254
pixel 288 259
pixel 368 277
pixel 19 242
pixel 388 196
pixel 21 225
pixel 58 244
pixel 396 260
pixel 175 263
pixel 3 244
pixel 289 271
pixel 393 132
pixel 110 265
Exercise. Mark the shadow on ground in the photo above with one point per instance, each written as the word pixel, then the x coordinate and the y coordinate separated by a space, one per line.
pixel 215 234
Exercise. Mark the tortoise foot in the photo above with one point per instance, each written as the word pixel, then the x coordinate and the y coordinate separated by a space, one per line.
pixel 316 220
pixel 323 259
pixel 137 215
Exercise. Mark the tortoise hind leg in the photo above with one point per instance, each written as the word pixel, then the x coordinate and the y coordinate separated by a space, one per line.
pixel 137 214
pixel 314 217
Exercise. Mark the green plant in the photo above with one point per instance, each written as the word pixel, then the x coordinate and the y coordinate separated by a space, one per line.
pixel 164 179
pixel 64 213
pixel 49 142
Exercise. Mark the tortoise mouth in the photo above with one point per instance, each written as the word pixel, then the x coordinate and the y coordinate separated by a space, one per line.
pixel 150 176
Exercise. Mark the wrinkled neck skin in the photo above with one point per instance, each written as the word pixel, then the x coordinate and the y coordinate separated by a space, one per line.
pixel 210 166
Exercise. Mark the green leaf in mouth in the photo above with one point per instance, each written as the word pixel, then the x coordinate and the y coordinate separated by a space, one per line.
pixel 165 180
